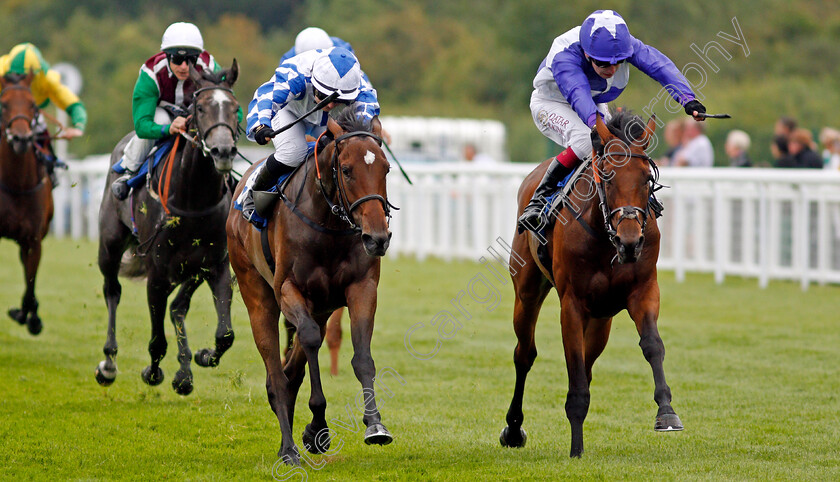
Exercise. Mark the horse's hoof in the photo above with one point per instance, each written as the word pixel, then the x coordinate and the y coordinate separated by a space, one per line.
pixel 33 324
pixel 17 315
pixel 206 358
pixel 509 439
pixel 104 376
pixel 182 383
pixel 290 457
pixel 316 442
pixel 377 434
pixel 668 422
pixel 152 378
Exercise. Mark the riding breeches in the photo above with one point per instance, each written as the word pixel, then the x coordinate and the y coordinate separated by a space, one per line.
pixel 558 121
pixel 290 145
pixel 137 149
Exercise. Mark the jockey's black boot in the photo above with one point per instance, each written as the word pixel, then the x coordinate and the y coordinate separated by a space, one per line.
pixel 532 217
pixel 120 187
pixel 267 176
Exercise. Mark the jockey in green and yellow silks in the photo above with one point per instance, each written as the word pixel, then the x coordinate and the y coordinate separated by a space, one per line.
pixel 46 87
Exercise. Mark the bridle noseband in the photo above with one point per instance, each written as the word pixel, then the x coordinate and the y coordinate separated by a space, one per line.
pixel 343 208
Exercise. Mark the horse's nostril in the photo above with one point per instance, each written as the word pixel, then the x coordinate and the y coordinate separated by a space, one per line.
pixel 233 151
pixel 214 152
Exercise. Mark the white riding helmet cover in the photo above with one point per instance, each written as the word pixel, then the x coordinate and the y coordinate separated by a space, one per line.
pixel 182 35
pixel 312 38
pixel 337 70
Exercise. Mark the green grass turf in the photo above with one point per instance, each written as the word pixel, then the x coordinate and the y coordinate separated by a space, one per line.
pixel 754 375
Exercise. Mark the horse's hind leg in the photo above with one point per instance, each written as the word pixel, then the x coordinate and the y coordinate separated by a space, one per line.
pixel 30 256
pixel 220 285
pixel 111 247
pixel 182 383
pixel 309 337
pixel 644 310
pixel 158 289
pixel 531 289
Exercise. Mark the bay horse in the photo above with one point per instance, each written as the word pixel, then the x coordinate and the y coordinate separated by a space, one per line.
pixel 606 219
pixel 320 251
pixel 175 228
pixel 26 204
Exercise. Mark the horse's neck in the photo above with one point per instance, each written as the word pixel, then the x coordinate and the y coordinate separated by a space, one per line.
pixel 305 191
pixel 195 183
pixel 18 172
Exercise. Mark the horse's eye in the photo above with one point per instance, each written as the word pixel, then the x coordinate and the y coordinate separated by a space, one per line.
pixel 345 170
pixel 199 108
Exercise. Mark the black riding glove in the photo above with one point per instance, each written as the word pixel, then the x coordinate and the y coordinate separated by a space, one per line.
pixel 693 106
pixel 262 134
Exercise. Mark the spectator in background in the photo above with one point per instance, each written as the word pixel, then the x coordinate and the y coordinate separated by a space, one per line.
pixel 673 138
pixel 830 141
pixel 475 157
pixel 736 147
pixel 697 149
pixel 783 129
pixel 779 149
pixel 802 155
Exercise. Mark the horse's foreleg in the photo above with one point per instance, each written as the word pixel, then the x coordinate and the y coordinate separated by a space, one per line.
pixel 158 289
pixel 596 335
pixel 577 399
pixel 644 310
pixel 310 334
pixel 183 380
pixel 361 304
pixel 30 257
pixel 220 284
pixel 334 339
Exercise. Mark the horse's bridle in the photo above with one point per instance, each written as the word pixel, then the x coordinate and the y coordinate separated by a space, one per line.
pixel 626 212
pixel 29 120
pixel 201 136
pixel 344 208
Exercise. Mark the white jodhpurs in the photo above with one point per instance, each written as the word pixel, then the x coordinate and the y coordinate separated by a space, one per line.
pixel 137 149
pixel 558 121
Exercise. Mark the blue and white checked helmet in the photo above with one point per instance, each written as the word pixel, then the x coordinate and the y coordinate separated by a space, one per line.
pixel 337 70
pixel 604 36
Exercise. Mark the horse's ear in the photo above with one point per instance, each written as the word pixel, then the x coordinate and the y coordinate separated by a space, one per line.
pixel 376 126
pixel 649 130
pixel 334 128
pixel 27 81
pixel 232 74
pixel 603 132
pixel 195 75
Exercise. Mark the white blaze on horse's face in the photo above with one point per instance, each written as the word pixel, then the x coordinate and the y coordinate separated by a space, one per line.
pixel 220 97
pixel 369 158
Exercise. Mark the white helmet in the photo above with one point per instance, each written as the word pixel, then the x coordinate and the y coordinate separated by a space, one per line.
pixel 312 38
pixel 182 36
pixel 337 70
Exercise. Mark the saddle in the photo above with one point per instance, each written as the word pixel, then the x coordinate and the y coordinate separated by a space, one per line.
pixel 158 152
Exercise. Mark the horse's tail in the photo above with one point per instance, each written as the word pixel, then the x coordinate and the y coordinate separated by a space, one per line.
pixel 132 265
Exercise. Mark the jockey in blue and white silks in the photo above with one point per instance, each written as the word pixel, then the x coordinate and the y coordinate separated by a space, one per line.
pixel 295 88
pixel 312 38
pixel 585 68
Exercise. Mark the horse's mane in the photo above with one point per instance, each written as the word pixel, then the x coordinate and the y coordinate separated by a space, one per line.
pixel 626 125
pixel 14 77
pixel 348 121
